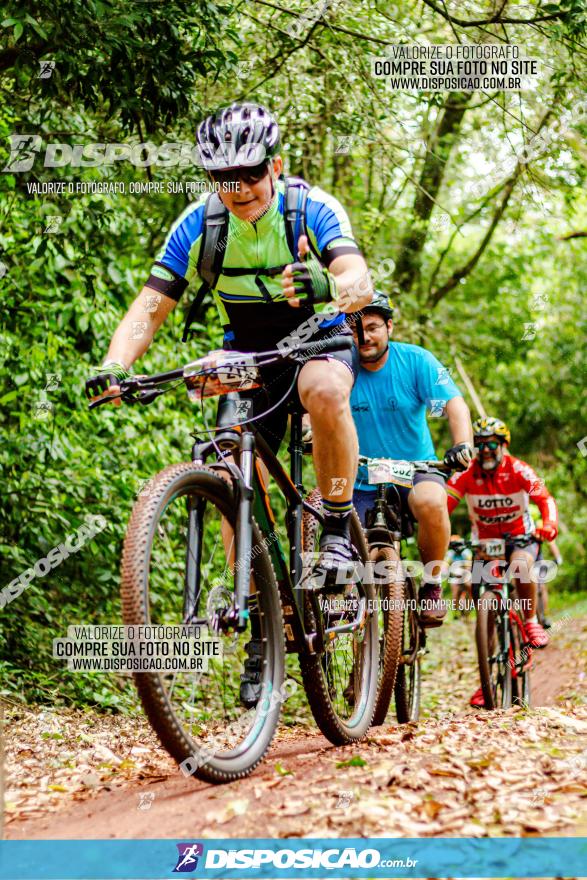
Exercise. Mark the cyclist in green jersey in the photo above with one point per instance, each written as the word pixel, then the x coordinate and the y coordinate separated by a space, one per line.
pixel 266 291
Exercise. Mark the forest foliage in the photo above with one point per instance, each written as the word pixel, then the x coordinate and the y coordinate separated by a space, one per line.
pixel 478 199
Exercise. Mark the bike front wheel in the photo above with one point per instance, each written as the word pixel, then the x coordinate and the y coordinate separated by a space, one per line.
pixel 341 680
pixel 178 568
pixel 491 636
pixel 391 623
pixel 408 684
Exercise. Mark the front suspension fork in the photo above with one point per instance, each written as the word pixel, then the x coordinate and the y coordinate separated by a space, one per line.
pixel 244 531
pixel 193 557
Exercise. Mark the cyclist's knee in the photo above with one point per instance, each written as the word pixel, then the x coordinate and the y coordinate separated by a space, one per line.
pixel 521 567
pixel 428 504
pixel 326 396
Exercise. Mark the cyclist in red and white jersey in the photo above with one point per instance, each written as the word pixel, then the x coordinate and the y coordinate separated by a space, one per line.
pixel 499 489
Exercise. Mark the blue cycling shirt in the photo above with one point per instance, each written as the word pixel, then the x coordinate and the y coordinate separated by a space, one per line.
pixel 389 406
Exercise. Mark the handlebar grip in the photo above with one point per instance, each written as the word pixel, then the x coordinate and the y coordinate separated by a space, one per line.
pixel 101 401
pixel 438 465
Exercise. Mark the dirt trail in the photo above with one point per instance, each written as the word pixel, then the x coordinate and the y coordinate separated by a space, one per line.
pixel 458 772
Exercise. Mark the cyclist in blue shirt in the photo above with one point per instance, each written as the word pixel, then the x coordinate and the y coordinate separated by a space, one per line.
pixel 396 385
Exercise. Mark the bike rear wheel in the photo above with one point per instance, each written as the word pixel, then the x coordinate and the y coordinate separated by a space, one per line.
pixel 491 636
pixel 408 683
pixel 341 681
pixel 391 623
pixel 178 568
pixel 541 605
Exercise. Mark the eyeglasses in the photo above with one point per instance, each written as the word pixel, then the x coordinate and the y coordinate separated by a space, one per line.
pixel 249 176
pixel 491 444
pixel 370 328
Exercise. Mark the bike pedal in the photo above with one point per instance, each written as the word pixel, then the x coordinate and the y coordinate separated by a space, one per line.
pixel 319 584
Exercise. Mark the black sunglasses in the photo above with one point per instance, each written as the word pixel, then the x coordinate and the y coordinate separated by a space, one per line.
pixel 249 175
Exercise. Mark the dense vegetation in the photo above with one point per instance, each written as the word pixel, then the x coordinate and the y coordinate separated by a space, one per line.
pixel 478 199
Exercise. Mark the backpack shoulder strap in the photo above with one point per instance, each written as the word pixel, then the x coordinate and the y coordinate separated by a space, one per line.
pixel 214 238
pixel 296 195
pixel 211 256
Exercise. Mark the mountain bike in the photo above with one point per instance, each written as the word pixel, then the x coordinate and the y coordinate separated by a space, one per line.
pixel 202 548
pixel 503 648
pixel 402 640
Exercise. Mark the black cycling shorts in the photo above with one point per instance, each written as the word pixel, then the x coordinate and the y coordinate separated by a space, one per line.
pixel 364 500
pixel 277 380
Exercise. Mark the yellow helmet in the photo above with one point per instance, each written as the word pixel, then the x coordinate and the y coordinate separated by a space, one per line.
pixel 490 427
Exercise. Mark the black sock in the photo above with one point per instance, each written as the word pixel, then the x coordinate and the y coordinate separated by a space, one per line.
pixel 337 517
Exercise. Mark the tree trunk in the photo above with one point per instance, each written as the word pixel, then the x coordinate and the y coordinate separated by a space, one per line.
pixel 439 147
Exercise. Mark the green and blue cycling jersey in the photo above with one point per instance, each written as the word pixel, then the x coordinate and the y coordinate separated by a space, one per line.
pixel 254 307
pixel 389 406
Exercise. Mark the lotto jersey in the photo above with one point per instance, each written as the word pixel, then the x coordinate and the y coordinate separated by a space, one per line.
pixel 499 500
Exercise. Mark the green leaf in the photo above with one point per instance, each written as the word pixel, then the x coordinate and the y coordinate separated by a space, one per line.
pixel 355 761
pixel 41 246
pixel 283 771
pixel 10 396
pixel 18 29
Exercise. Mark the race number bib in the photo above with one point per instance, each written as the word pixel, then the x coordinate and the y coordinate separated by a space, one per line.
pixel 492 547
pixel 387 470
pixel 219 373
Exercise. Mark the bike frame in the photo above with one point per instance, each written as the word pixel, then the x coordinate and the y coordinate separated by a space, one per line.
pixel 252 498
pixel 380 535
pixel 253 501
pixel 507 615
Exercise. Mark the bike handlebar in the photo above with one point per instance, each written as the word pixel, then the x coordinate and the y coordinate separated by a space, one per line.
pixel 512 540
pixel 430 465
pixel 144 389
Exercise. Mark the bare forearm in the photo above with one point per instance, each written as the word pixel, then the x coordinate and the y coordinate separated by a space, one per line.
pixel 459 421
pixel 134 334
pixel 356 291
pixel 355 287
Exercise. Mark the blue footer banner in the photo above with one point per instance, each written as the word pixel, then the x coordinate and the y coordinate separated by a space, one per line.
pixel 311 857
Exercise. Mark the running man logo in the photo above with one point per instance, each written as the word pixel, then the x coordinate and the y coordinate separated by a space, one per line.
pixel 345 144
pixel 53 224
pixel 187 860
pixel 242 409
pixel 152 303
pixel 53 381
pixel 46 69
pixel 337 485
pixel 437 408
pixel 536 486
pixel 23 149
pixel 444 376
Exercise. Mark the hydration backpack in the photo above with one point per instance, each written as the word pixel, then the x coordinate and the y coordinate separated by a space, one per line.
pixel 215 239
